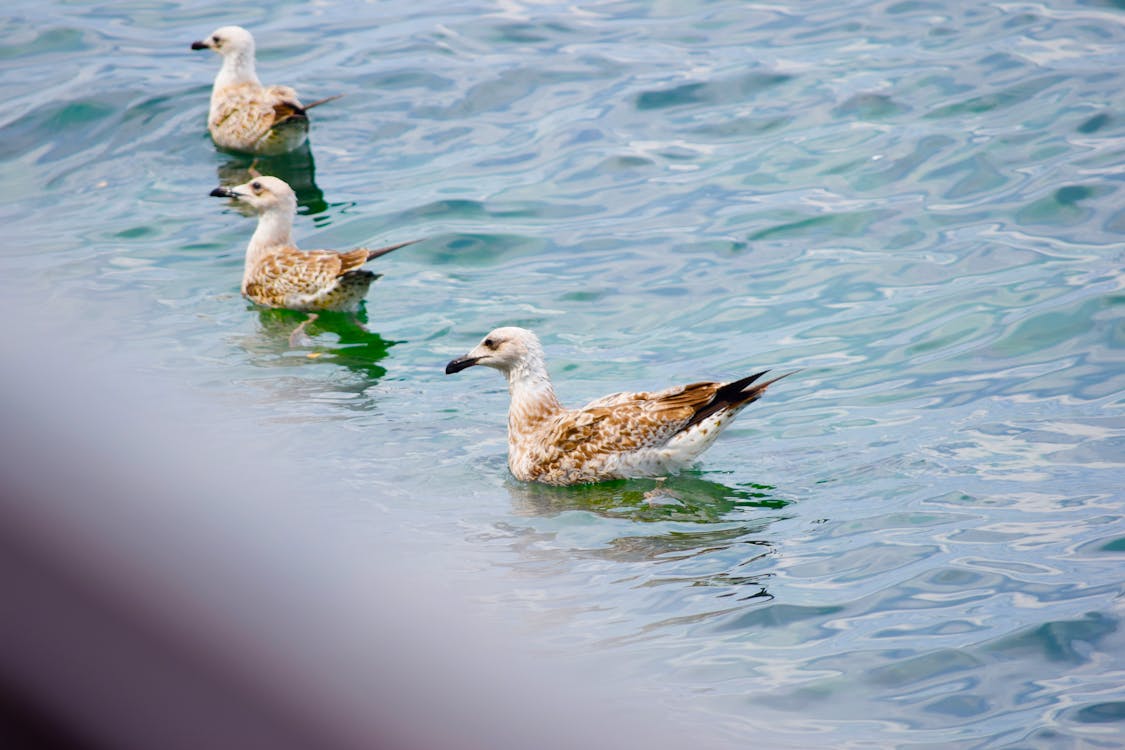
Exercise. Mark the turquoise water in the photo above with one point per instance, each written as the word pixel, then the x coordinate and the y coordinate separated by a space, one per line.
pixel 917 541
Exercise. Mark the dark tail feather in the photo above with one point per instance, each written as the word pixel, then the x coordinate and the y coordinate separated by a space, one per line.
pixel 373 254
pixel 318 102
pixel 761 387
pixel 734 395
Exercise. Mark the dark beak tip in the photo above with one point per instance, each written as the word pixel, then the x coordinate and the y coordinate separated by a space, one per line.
pixel 221 192
pixel 198 45
pixel 457 365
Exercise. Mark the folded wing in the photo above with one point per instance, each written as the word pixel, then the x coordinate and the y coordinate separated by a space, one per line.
pixel 299 276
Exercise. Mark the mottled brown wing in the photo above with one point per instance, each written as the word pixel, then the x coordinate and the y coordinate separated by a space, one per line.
pixel 629 421
pixel 352 260
pixel 286 93
pixel 244 114
pixel 287 109
pixel 290 274
pixel 692 395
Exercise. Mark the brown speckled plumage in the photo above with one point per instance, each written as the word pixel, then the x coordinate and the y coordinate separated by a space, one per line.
pixel 618 436
pixel 258 119
pixel 245 115
pixel 278 274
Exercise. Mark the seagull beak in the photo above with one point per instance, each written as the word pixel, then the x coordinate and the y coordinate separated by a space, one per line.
pixel 199 45
pixel 459 364
pixel 224 192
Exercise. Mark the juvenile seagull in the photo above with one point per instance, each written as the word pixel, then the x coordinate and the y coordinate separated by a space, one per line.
pixel 277 274
pixel 245 115
pixel 618 436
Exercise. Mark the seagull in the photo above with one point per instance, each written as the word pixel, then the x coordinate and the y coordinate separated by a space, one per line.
pixel 245 115
pixel 620 436
pixel 277 274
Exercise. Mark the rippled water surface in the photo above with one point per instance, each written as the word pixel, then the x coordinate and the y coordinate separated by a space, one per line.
pixel 917 541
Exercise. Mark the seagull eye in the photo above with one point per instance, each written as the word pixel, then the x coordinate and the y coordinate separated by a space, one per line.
pixel 216 40
pixel 257 186
pixel 490 343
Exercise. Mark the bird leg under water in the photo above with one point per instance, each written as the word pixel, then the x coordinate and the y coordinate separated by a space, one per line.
pixel 298 338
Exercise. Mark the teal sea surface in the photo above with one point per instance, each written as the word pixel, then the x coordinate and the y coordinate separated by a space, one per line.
pixel 917 541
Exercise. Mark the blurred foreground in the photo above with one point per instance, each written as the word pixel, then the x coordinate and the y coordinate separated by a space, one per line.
pixel 164 586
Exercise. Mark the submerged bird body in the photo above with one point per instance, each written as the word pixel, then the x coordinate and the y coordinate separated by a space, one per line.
pixel 277 274
pixel 245 115
pixel 619 436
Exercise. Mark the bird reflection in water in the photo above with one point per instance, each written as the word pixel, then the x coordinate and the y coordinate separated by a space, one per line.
pixel 683 517
pixel 355 347
pixel 297 168
pixel 683 497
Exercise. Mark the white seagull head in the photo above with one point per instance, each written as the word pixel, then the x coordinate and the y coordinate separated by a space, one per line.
pixel 264 194
pixel 509 350
pixel 228 41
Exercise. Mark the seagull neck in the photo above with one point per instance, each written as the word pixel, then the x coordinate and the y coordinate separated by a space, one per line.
pixel 238 68
pixel 530 388
pixel 274 230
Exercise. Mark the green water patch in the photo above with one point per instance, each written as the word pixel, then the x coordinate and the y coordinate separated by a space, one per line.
pixel 963 705
pixel 1066 206
pixel 978 177
pixel 1116 545
pixel 923 668
pixel 477 250
pixel 844 224
pixel 1007 97
pixel 951 332
pixel 1100 713
pixel 1047 330
pixel 335 339
pixel 138 232
pixel 405 80
pixel 502 92
pixel 626 163
pixel 870 107
pixel 1058 640
pixel 461 209
pixel 1095 123
pixel 723 91
pixel 47 42
pixel 913 6
pixel 519 33
pixel 742 127
pixel 804 622
pixel 925 150
pixel 75 126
